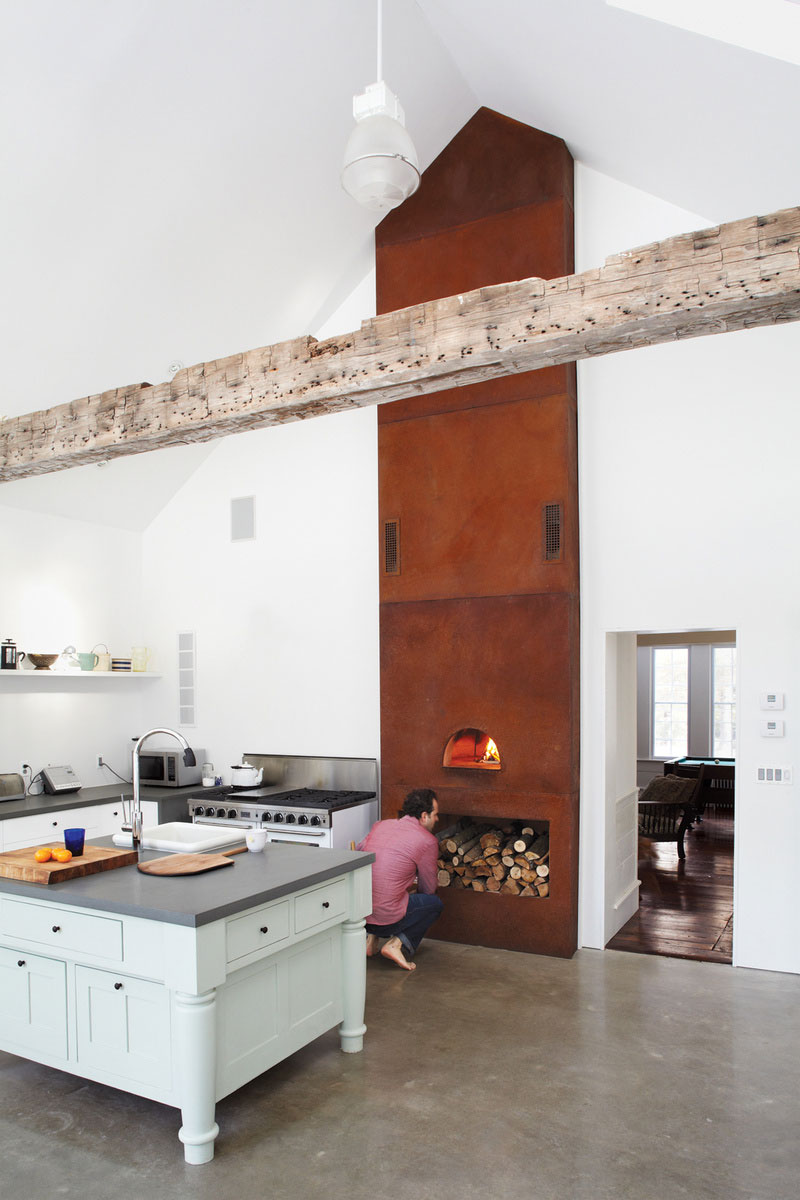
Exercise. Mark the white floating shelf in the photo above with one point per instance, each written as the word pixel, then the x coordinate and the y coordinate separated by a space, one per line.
pixel 55 676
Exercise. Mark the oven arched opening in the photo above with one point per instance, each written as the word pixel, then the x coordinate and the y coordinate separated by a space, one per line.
pixel 472 749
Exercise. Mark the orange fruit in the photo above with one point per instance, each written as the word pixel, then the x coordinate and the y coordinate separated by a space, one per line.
pixel 43 854
pixel 62 855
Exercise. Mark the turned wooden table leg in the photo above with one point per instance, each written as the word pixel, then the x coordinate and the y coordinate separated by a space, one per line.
pixel 354 986
pixel 195 1038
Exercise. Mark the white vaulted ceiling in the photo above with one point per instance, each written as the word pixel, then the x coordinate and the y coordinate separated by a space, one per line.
pixel 170 168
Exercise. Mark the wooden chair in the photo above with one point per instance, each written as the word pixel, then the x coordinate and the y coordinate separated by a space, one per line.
pixel 667 809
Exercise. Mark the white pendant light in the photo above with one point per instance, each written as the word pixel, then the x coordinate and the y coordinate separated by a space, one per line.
pixel 380 168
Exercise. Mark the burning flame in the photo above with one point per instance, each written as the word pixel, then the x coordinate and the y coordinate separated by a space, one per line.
pixel 491 753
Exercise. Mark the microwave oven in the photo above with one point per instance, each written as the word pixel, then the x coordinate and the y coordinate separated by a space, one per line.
pixel 166 768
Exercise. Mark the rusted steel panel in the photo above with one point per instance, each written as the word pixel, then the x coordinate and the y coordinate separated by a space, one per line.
pixel 468 489
pixel 505 665
pixel 477 630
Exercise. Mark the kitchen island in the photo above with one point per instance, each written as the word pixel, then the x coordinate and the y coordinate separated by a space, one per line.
pixel 182 989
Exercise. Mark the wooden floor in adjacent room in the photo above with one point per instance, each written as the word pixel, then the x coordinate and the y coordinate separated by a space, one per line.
pixel 685 908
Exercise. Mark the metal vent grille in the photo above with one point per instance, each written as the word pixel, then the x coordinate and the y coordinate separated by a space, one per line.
pixel 391 547
pixel 551 532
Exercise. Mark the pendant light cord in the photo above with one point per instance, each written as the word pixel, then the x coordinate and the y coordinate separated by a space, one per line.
pixel 380 40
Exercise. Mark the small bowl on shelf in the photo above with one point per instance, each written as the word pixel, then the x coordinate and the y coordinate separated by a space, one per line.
pixel 42 662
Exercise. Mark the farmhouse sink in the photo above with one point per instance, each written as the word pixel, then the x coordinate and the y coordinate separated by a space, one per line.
pixel 177 836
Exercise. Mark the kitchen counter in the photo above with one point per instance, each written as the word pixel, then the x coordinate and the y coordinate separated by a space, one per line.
pixel 182 989
pixel 255 879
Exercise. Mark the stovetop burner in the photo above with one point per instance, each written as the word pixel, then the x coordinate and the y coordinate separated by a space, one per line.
pixel 296 798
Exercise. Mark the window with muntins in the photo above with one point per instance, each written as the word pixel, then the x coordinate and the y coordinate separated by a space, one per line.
pixel 723 668
pixel 670 701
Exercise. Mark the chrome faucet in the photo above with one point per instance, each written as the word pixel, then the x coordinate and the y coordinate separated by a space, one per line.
pixel 136 803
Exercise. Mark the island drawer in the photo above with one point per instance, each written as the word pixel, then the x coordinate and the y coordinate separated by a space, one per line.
pixel 256 930
pixel 319 905
pixel 63 928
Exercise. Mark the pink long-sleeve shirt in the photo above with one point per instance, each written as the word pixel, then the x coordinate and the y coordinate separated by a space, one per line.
pixel 404 851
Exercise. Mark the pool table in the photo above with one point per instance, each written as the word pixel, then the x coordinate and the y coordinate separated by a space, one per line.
pixel 717 776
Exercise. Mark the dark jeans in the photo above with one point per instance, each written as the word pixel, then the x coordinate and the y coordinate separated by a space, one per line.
pixel 422 911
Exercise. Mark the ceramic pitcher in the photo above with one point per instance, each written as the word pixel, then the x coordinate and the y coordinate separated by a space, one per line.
pixel 103 660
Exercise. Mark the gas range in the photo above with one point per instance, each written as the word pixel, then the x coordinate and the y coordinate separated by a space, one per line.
pixel 258 806
pixel 323 815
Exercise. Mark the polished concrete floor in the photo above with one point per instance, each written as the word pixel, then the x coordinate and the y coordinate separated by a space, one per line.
pixel 486 1074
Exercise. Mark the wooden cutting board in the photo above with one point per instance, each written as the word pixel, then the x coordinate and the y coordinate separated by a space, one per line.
pixel 188 864
pixel 20 864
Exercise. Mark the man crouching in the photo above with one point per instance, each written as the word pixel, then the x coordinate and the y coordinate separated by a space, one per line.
pixel 405 850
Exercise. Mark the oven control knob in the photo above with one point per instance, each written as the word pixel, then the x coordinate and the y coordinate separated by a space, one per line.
pixel 199 810
pixel 210 812
pixel 302 819
pixel 316 821
pixel 278 818
pixel 290 818
pixel 266 816
pixel 232 812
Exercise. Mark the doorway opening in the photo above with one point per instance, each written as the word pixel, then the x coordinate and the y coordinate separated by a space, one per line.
pixel 686 742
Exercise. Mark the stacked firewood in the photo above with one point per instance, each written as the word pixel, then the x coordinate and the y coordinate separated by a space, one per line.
pixel 505 857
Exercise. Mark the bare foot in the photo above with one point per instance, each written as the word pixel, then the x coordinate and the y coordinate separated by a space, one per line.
pixel 393 950
pixel 373 943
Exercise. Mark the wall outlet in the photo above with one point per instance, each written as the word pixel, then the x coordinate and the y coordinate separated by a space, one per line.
pixel 773 774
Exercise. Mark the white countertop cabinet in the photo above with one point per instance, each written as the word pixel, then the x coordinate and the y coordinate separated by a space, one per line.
pixel 183 1014
pixel 99 820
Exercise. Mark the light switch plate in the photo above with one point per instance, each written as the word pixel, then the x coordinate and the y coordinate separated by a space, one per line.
pixel 772 700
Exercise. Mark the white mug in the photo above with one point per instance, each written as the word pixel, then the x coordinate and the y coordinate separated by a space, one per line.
pixel 256 840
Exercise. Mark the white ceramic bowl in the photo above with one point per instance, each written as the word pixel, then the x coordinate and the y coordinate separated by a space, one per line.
pixel 256 840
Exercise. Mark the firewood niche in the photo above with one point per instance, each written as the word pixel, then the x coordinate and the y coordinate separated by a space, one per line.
pixel 508 857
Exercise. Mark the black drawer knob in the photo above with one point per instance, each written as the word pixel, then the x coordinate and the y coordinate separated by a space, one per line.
pixel 265 928
pixel 326 903
pixel 55 822
pixel 20 962
pixel 117 986
pixel 56 929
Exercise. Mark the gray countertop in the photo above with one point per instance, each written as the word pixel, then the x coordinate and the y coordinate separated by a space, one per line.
pixel 196 900
pixel 31 806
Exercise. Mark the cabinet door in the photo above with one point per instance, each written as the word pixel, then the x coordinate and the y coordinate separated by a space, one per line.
pixel 44 828
pixel 123 1026
pixel 41 829
pixel 33 1003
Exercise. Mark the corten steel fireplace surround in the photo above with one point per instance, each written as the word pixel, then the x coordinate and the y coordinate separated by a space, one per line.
pixel 479 529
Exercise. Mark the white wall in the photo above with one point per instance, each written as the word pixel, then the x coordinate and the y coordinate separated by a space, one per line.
pixel 690 501
pixel 68 582
pixel 286 624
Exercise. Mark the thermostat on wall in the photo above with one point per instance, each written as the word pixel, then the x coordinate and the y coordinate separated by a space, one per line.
pixel 771 699
pixel 772 728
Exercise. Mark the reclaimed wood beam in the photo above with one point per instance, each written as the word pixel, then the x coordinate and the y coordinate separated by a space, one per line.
pixel 734 276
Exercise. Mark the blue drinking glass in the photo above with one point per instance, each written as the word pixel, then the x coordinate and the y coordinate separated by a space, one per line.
pixel 73 840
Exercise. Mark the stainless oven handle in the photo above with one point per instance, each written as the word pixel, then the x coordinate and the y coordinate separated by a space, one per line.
pixel 293 835
pixel 225 823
